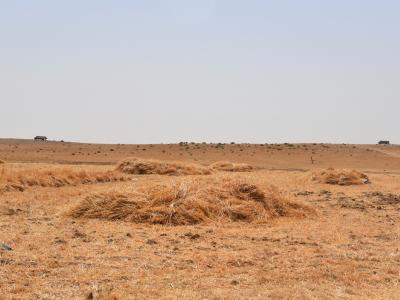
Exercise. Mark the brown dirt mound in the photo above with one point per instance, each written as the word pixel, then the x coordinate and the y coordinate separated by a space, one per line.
pixel 149 166
pixel 20 180
pixel 192 201
pixel 340 177
pixel 231 167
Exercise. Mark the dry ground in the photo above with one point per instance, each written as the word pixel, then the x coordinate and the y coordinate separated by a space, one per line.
pixel 349 249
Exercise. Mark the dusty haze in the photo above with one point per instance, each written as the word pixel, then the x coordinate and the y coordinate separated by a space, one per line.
pixel 214 71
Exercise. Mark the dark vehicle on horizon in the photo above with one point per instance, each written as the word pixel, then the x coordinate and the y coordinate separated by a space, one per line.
pixel 40 138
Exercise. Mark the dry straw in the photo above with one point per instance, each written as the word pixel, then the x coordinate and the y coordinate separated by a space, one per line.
pixel 231 167
pixel 19 180
pixel 340 177
pixel 150 166
pixel 192 201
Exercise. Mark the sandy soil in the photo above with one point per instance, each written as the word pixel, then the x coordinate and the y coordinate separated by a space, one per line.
pixel 349 250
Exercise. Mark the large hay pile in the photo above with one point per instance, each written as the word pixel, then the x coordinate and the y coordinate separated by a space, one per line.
pixel 231 167
pixel 340 177
pixel 149 166
pixel 192 201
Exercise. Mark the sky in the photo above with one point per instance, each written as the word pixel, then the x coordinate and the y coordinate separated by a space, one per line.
pixel 215 71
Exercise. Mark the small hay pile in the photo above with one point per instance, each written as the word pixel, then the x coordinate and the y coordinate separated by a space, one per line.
pixel 340 177
pixel 149 166
pixel 192 201
pixel 231 167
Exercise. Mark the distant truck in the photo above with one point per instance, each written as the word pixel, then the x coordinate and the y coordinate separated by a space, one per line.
pixel 383 143
pixel 40 138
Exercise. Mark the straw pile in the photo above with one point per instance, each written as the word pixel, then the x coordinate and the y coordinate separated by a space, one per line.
pixel 192 201
pixel 231 167
pixel 150 166
pixel 19 180
pixel 340 177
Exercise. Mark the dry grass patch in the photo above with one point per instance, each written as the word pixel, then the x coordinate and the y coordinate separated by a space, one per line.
pixel 231 167
pixel 150 166
pixel 340 177
pixel 192 201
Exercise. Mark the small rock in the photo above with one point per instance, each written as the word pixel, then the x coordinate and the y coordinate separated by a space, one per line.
pixel 18 188
pixel 57 240
pixel 304 193
pixel 234 282
pixel 195 236
pixel 192 236
pixel 90 296
pixel 325 192
pixel 78 234
pixel 5 247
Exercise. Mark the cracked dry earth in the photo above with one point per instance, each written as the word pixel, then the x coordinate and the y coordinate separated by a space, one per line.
pixel 350 249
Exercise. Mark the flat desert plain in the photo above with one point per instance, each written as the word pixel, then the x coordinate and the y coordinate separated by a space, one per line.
pixel 287 221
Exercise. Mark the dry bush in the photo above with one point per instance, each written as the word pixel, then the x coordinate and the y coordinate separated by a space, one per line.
pixel 19 180
pixel 231 167
pixel 149 166
pixel 192 201
pixel 340 177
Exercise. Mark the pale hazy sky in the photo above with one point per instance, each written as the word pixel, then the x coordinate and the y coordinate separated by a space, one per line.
pixel 168 71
